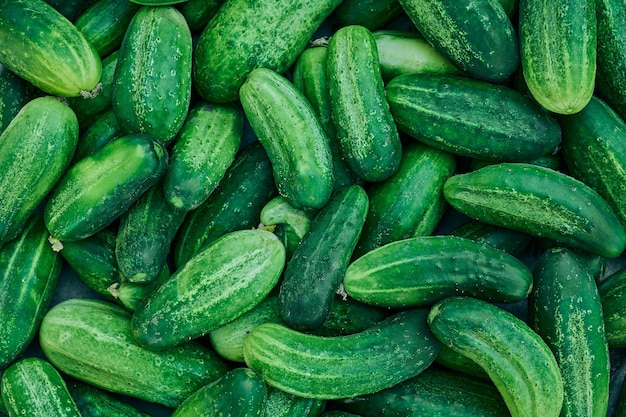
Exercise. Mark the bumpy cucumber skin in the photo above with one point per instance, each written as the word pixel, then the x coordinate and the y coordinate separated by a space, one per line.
pixel 292 136
pixel 35 387
pixel 91 341
pixel 367 134
pixel 471 118
pixel 541 202
pixel 392 351
pixel 318 265
pixel 13 96
pixel 29 272
pixel 99 188
pixel 565 310
pixel 281 404
pixel 422 270
pixel 152 82
pixel 558 52
pixel 611 292
pixel 477 35
pixel 35 150
pixel 516 359
pixel 95 402
pixel 270 34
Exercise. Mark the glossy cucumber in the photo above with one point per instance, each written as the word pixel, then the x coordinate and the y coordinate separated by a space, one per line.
pixel 453 360
pixel 611 292
pixel 198 13
pixel 508 240
pixel 96 402
pixel 281 404
pixel 13 96
pixel 103 130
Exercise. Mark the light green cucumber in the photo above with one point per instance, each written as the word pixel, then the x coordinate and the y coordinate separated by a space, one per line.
pixel 277 214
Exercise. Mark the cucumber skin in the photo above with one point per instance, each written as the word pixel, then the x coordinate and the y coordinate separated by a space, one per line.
pixel 367 134
pixel 471 118
pixel 30 270
pixel 152 83
pixel 611 292
pixel 118 173
pixel 198 13
pixel 372 14
pixel 292 136
pixel 281 404
pixel 13 96
pixel 35 150
pixel 102 131
pixel 318 265
pixel 72 329
pixel 275 33
pixel 392 351
pixel 510 241
pixel 563 306
pixel 547 204
pixel 516 359
pixel 95 402
pixel 46 49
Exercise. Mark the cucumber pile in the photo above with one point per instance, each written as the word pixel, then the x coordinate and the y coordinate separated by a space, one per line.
pixel 277 208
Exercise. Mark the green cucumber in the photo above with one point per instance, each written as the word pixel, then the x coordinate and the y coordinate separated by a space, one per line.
pixel 541 202
pixel 565 310
pixel 552 161
pixel 451 359
pixel 338 413
pixel 421 271
pixel 152 82
pixel 217 285
pixel 477 35
pixel 130 295
pixel 35 150
pixel 198 13
pixel 13 96
pixel 91 341
pixel 292 136
pixel 372 14
pixel 508 240
pixel 288 223
pixel 47 50
pixel 387 353
pixel 95 402
pixel 366 131
pixel 203 150
pixel 314 272
pixel 281 404
pixel 410 202
pixel 96 190
pixel 30 272
pixel 516 359
pixel 33 387
pixel 471 118
pixel 103 130
pixel 558 52
pixel 611 291
pixel 269 34
pixel 71 9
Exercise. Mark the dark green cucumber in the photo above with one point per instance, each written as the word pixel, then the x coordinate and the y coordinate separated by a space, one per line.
pixel 203 150
pixel 41 46
pixel 29 273
pixel 281 404
pixel 552 161
pixel 217 285
pixel 198 13
pixel 420 271
pixel 338 413
pixel 33 387
pixel 387 353
pixel 611 292
pixel 558 52
pixel 471 118
pixel 235 204
pixel 35 150
pixel 541 202
pixel 366 131
pixel 314 273
pixel 269 34
pixel 372 14
pixel 410 202
pixel 103 130
pixel 517 360
pixel 292 136
pixel 565 310
pixel 453 360
pixel 99 188
pixel 91 341
pixel 508 240
pixel 96 402
pixel 477 35
pixel 71 9
pixel 152 82
pixel 13 96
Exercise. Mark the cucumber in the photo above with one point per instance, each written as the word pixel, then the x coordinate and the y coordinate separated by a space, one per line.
pixel 611 292
pixel 387 353
pixel 95 402
pixel 198 13
pixel 130 294
pixel 30 272
pixel 217 285
pixel 314 273
pixel 272 34
pixel 558 52
pixel 295 223
pixel 13 96
pixel 541 202
pixel 477 35
pixel 366 131
pixel 35 150
pixel 152 82
pixel 372 14
pixel 451 359
pixel 421 271
pixel 33 387
pixel 203 150
pixel 292 136
pixel 517 360
pixel 71 9
pixel 91 341
pixel 103 130
pixel 281 404
pixel 508 240
pixel 47 50
pixel 116 174
pixel 566 311
pixel 471 118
